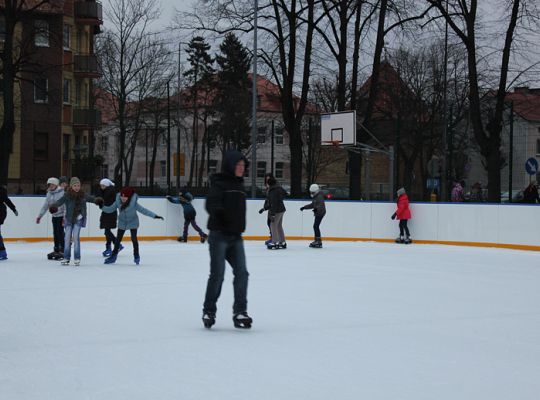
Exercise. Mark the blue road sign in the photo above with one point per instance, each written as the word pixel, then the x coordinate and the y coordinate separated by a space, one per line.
pixel 531 166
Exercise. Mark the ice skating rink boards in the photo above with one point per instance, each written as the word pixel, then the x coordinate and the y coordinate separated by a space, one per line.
pixel 491 225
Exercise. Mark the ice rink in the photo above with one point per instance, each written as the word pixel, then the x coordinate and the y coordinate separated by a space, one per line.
pixel 350 321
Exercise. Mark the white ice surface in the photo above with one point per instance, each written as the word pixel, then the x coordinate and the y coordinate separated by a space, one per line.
pixel 351 321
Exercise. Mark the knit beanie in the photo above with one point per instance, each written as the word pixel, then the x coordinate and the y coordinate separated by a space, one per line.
pixel 106 182
pixel 127 192
pixel 401 191
pixel 74 181
pixel 63 179
pixel 53 181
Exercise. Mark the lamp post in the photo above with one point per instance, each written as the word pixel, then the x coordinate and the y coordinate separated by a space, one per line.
pixel 254 105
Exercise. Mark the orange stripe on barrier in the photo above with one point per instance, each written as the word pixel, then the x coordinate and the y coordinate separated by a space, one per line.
pixel 332 239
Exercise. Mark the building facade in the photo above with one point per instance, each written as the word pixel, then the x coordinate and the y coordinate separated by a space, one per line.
pixel 55 118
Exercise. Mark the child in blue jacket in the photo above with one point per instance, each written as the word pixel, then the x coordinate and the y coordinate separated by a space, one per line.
pixel 126 203
pixel 184 199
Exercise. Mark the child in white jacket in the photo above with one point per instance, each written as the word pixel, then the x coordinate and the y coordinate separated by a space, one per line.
pixel 54 193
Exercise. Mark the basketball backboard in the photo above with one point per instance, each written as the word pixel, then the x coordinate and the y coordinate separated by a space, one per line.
pixel 338 129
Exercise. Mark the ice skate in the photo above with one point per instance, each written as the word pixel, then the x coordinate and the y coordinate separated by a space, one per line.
pixel 282 245
pixel 316 244
pixel 107 252
pixel 267 242
pixel 242 320
pixel 400 239
pixel 137 260
pixel 407 240
pixel 56 256
pixel 65 262
pixel 271 246
pixel 209 319
pixel 77 262
pixel 3 255
pixel 111 259
pixel 182 239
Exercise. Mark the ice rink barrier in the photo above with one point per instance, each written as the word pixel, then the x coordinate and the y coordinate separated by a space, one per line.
pixel 515 226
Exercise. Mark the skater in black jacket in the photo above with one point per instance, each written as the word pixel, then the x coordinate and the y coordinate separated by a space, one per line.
pixel 319 211
pixel 276 210
pixel 107 221
pixel 226 206
pixel 4 200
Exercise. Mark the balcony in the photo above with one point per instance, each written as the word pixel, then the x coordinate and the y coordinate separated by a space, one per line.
pixel 86 118
pixel 88 13
pixel 86 65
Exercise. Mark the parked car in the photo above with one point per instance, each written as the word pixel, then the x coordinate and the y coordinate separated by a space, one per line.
pixel 336 193
pixel 517 196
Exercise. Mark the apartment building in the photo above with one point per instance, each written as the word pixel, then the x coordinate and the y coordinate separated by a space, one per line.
pixel 55 118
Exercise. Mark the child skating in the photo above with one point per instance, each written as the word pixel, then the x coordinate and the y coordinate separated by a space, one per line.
pixel 127 204
pixel 54 194
pixel 107 221
pixel 403 214
pixel 185 199
pixel 4 200
pixel 319 211
pixel 75 200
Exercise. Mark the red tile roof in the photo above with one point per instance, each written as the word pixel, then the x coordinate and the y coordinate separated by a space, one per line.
pixel 526 103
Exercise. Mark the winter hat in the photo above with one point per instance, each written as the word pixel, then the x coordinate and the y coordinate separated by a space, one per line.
pixel 106 182
pixel 63 179
pixel 401 191
pixel 314 188
pixel 127 192
pixel 74 181
pixel 53 181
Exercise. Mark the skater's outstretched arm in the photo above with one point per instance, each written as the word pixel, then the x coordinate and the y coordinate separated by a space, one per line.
pixel 145 211
pixel 174 200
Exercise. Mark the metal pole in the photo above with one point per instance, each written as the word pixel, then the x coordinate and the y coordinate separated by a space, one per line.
pixel 511 152
pixel 168 139
pixel 272 150
pixel 444 175
pixel 391 172
pixel 178 122
pixel 146 160
pixel 254 104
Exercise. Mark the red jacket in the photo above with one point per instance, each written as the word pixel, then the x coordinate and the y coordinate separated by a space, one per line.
pixel 403 211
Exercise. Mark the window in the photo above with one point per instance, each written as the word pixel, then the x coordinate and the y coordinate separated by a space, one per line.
pixel 67 91
pixel 40 90
pixel 41 146
pixel 79 40
pixel 67 37
pixel 261 134
pixel 279 170
pixel 163 165
pixel 278 136
pixel 65 154
pixel 261 169
pixel 104 170
pixel 41 35
pixel 212 167
pixel 104 143
pixel 2 28
pixel 537 147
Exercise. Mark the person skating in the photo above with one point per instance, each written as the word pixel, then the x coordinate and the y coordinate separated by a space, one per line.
pixel 54 193
pixel 319 211
pixel 403 214
pixel 226 206
pixel 4 201
pixel 276 210
pixel 107 221
pixel 184 199
pixel 127 204
pixel 75 200
pixel 267 176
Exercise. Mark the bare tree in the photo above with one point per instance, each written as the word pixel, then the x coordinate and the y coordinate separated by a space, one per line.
pixel 124 52
pixel 463 19
pixel 18 59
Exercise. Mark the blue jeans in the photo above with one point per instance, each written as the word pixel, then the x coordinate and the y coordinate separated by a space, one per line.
pixel 228 248
pixel 75 231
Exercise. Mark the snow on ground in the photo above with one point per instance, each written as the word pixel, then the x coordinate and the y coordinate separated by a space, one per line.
pixel 350 321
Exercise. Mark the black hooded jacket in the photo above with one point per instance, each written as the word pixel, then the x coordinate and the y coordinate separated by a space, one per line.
pixel 226 200
pixel 4 200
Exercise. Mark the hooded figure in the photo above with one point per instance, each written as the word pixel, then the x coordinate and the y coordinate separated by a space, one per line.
pixel 226 206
